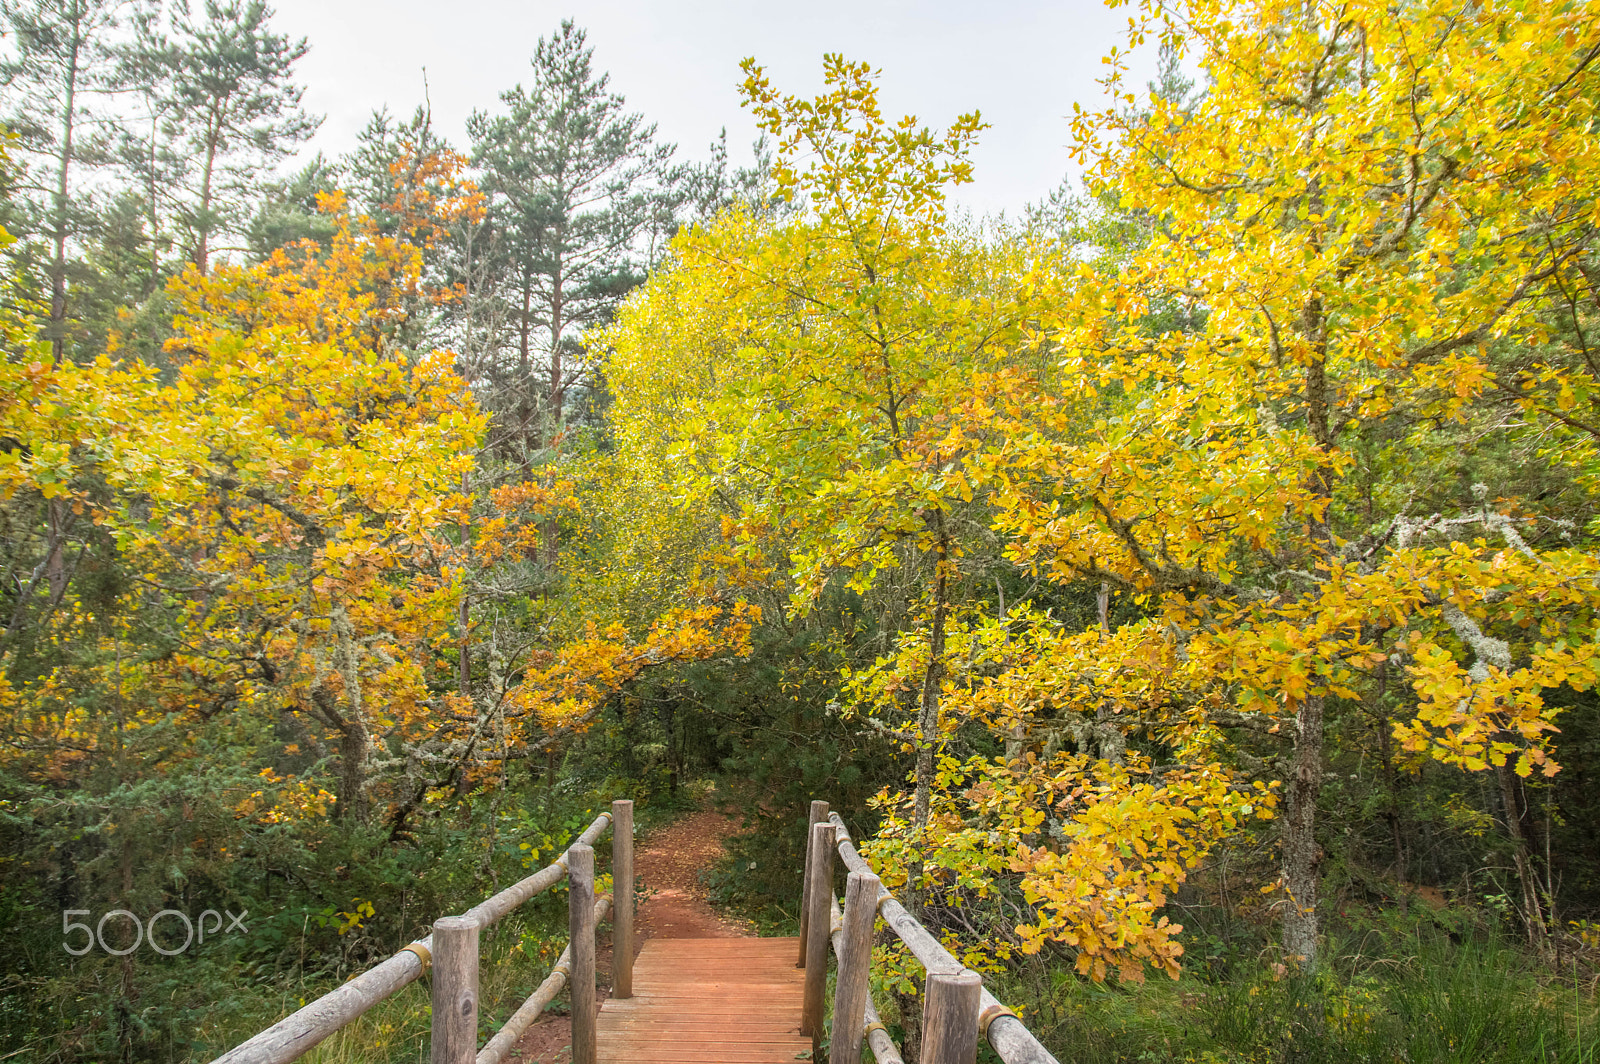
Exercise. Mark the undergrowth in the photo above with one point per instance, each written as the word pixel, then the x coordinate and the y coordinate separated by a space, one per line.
pixel 516 954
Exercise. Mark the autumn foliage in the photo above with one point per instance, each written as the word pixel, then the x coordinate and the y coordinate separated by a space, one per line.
pixel 1086 546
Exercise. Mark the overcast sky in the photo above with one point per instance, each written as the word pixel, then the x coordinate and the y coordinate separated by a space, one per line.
pixel 1022 64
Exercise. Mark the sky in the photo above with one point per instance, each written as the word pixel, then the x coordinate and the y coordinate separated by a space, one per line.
pixel 1021 64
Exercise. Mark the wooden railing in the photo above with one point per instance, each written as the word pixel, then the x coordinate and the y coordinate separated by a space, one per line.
pixel 957 1010
pixel 452 951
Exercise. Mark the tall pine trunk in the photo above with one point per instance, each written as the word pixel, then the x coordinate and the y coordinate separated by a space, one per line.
pixel 58 263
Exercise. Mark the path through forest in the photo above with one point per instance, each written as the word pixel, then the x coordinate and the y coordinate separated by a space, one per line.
pixel 674 906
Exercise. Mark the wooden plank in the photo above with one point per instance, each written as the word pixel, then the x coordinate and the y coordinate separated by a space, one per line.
pixel 708 1001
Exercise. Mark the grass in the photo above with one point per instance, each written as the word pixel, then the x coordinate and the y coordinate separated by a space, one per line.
pixel 1478 1002
pixel 516 955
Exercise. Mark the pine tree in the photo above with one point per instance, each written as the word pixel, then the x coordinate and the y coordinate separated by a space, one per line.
pixel 148 149
pixel 57 71
pixel 239 111
pixel 575 184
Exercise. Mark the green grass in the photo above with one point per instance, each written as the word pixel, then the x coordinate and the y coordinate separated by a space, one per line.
pixel 1479 1002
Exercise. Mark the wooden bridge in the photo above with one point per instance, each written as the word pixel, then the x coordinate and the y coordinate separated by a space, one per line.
pixel 684 1001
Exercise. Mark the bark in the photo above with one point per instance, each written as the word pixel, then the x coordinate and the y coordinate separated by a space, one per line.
pixel 1302 858
pixel 56 546
pixel 202 251
pixel 58 264
pixel 524 375
pixel 154 218
pixel 910 1006
pixel 1391 778
pixel 927 740
pixel 464 616
pixel 1533 917
pixel 557 397
pixel 352 800
pixel 928 710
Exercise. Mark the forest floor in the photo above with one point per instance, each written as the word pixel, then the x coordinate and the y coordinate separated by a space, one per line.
pixel 673 904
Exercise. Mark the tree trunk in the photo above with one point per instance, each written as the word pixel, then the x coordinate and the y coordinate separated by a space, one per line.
pixel 557 396
pixel 928 711
pixel 1302 859
pixel 155 219
pixel 1533 918
pixel 59 521
pixel 464 616
pixel 58 264
pixel 1391 778
pixel 525 375
pixel 557 388
pixel 352 801
pixel 202 251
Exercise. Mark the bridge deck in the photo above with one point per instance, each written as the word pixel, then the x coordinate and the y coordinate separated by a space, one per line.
pixel 708 1001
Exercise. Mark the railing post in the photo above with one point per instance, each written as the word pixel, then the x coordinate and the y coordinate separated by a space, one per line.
pixel 455 990
pixel 950 1018
pixel 819 893
pixel 818 815
pixel 855 965
pixel 622 898
pixel 580 923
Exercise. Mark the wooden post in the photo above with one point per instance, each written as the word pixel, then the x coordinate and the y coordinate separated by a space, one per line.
pixel 580 921
pixel 455 990
pixel 950 1018
pixel 622 898
pixel 820 896
pixel 855 965
pixel 818 815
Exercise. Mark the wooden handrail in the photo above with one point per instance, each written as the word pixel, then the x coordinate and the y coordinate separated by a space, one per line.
pixel 295 1034
pixel 884 1051
pixel 300 1031
pixel 496 1048
pixel 1007 1034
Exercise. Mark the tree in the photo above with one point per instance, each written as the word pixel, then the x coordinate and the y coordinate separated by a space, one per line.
pixel 238 110
pixel 830 384
pixel 59 65
pixel 572 179
pixel 1366 208
pixel 147 150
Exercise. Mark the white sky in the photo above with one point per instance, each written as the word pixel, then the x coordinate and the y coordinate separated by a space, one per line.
pixel 1022 63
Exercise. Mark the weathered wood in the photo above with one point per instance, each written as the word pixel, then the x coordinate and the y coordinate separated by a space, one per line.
pixel 295 1034
pixel 708 1001
pixel 884 1051
pixel 580 922
pixel 1008 1035
pixel 851 987
pixel 1012 1040
pixel 622 890
pixel 819 893
pixel 455 990
pixel 491 911
pixel 818 815
pixel 508 1036
pixel 950 1018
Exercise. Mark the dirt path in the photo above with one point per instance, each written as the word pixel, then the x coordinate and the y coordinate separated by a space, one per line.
pixel 674 905
pixel 670 864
